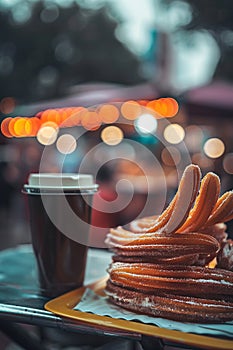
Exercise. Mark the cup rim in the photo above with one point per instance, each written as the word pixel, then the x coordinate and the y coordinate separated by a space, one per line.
pixel 60 182
pixel 61 189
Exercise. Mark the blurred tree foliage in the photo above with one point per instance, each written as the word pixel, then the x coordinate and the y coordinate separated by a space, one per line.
pixel 57 47
pixel 216 16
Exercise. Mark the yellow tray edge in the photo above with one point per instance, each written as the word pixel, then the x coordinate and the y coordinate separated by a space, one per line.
pixel 63 306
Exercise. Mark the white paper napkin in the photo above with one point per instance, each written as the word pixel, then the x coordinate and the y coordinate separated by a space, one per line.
pixel 99 305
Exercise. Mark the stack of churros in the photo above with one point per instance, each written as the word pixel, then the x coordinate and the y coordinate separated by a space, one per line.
pixel 178 265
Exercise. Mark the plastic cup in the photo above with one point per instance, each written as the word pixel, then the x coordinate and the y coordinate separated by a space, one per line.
pixel 52 200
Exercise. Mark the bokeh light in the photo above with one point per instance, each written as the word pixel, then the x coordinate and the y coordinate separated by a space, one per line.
pixel 48 76
pixel 47 134
pixel 49 14
pixel 51 115
pixel 64 50
pixel 112 135
pixel 131 110
pixel 228 163
pixel 214 147
pixel 21 12
pixel 171 156
pixel 143 102
pixel 35 125
pixel 194 138
pixel 164 107
pixel 71 116
pixel 90 120
pixel 203 161
pixel 19 127
pixel 5 127
pixel 146 124
pixel 108 113
pixel 7 105
pixel 66 144
pixel 11 126
pixel 174 133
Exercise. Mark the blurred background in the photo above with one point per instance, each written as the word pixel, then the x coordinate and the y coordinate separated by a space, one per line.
pixel 85 53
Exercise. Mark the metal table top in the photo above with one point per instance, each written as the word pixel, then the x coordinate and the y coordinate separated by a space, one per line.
pixel 20 297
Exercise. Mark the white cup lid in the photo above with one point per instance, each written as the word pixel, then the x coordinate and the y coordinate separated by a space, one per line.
pixel 65 181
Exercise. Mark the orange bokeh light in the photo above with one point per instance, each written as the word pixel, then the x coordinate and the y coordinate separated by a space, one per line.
pixel 11 126
pixel 90 120
pixel 19 127
pixel 63 114
pixel 5 127
pixel 72 116
pixel 228 163
pixel 143 102
pixel 162 107
pixel 28 127
pixel 165 107
pixel 7 105
pixel 39 114
pixel 131 110
pixel 51 115
pixel 173 107
pixel 35 125
pixel 108 113
pixel 23 127
pixel 76 116
pixel 153 105
pixel 50 124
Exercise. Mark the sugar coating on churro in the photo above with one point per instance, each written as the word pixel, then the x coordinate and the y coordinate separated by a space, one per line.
pixel 161 266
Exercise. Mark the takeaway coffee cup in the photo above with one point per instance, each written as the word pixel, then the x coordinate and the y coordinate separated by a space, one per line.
pixel 60 214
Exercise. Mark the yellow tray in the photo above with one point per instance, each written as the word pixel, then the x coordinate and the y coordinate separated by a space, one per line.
pixel 63 306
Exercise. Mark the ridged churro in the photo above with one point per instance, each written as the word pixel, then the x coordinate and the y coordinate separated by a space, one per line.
pixel 175 307
pixel 161 266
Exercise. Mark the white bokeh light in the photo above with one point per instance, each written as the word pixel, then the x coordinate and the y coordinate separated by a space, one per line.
pixel 47 135
pixel 214 147
pixel 66 144
pixel 146 124
pixel 112 135
pixel 174 133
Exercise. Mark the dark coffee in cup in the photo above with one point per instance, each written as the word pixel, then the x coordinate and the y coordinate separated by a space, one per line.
pixel 60 214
